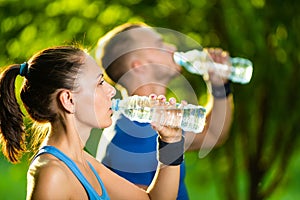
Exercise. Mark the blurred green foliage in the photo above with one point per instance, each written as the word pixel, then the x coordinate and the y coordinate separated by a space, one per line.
pixel 259 160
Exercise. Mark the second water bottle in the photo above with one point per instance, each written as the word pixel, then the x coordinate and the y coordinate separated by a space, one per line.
pixel 198 62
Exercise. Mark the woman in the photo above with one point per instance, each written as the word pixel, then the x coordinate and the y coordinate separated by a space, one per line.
pixel 64 87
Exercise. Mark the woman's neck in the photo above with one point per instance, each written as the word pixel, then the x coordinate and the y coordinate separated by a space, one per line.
pixel 66 138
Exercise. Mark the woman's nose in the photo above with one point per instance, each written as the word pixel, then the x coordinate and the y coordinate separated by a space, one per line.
pixel 112 91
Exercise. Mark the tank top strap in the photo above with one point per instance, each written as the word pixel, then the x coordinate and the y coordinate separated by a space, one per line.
pixel 92 194
pixel 104 192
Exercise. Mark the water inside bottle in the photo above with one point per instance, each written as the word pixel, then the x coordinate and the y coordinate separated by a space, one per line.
pixel 188 117
pixel 190 61
pixel 142 115
pixel 193 119
pixel 136 108
pixel 241 71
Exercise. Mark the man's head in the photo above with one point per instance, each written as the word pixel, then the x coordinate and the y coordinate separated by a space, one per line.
pixel 136 46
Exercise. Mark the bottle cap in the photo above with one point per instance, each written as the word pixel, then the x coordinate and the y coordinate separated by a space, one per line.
pixel 115 104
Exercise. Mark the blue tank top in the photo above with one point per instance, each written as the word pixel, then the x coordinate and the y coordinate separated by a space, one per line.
pixel 132 154
pixel 92 194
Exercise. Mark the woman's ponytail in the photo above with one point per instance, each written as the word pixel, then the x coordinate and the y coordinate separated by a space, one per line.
pixel 12 135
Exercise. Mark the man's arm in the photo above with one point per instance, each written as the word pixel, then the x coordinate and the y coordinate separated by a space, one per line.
pixel 219 108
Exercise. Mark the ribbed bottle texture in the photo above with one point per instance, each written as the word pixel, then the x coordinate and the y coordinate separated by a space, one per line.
pixel 198 62
pixel 142 109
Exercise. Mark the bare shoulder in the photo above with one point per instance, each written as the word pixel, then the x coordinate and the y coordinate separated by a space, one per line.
pixel 48 178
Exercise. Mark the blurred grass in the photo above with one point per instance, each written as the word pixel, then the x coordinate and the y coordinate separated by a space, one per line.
pixel 12 179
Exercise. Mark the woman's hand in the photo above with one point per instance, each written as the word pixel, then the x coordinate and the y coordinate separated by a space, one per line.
pixel 166 118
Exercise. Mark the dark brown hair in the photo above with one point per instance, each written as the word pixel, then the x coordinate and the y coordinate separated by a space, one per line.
pixel 47 71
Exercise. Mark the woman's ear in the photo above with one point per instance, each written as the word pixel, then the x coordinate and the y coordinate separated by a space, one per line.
pixel 66 101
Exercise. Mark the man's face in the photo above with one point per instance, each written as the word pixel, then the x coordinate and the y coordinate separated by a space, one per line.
pixel 152 49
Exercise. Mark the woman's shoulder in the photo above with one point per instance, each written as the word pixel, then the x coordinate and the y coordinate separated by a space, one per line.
pixel 47 163
pixel 49 174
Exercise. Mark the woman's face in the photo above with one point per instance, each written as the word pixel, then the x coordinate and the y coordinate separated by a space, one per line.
pixel 93 98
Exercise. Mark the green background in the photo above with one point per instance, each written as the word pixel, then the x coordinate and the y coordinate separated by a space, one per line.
pixel 261 158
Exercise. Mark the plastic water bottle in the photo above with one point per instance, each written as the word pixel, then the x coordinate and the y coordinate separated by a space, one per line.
pixel 142 109
pixel 198 62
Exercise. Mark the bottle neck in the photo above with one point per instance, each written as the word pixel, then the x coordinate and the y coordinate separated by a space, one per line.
pixel 115 104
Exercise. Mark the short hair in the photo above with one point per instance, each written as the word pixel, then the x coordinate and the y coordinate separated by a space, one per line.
pixel 112 48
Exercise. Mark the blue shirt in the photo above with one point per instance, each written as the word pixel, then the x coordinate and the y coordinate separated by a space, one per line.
pixel 91 192
pixel 132 153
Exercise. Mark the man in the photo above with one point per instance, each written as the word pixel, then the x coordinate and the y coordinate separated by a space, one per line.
pixel 136 57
